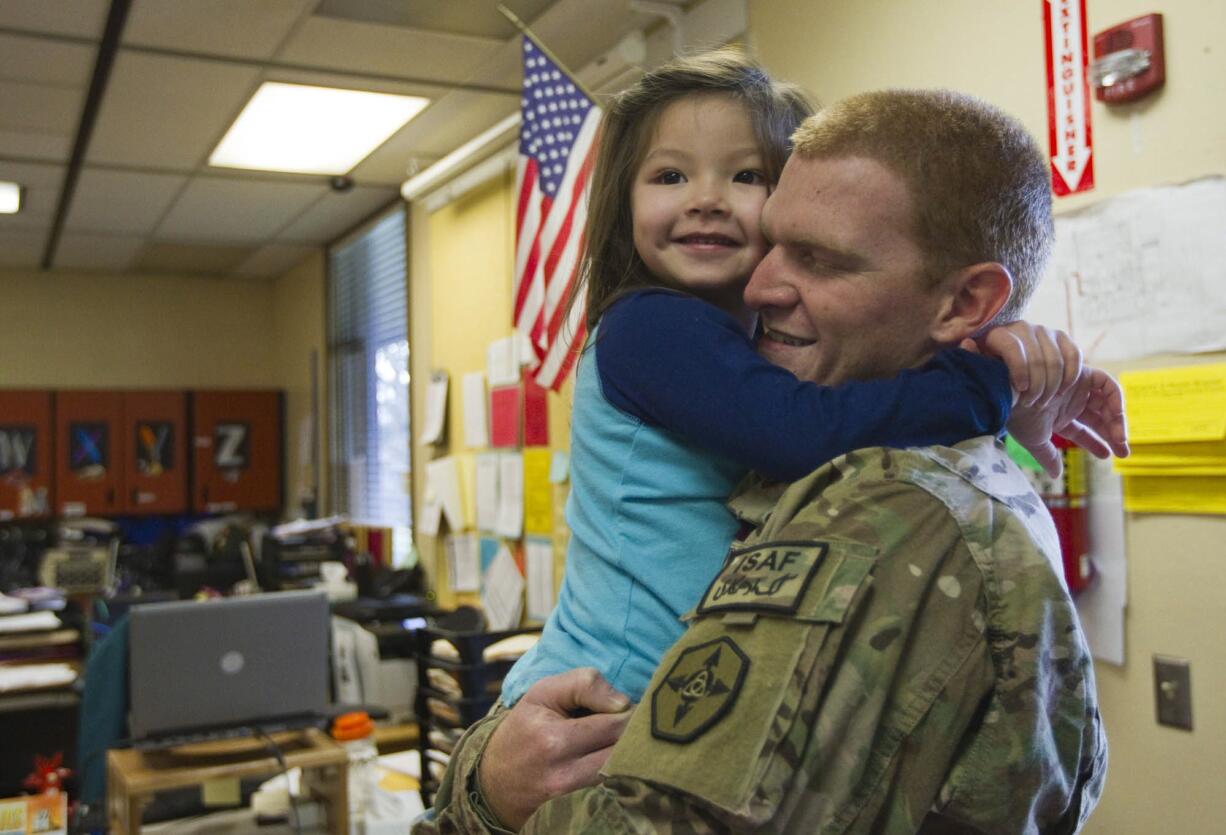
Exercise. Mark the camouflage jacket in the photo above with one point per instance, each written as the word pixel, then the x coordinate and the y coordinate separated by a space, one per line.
pixel 891 650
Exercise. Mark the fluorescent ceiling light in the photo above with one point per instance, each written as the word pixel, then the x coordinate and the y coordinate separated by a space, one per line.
pixel 10 198
pixel 312 130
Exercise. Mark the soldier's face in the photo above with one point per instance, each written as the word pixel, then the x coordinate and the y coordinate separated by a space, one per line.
pixel 842 294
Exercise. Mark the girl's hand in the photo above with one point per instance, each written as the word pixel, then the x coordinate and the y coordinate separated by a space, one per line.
pixel 1090 414
pixel 1057 394
pixel 1043 363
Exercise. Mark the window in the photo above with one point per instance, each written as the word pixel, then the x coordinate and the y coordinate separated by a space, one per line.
pixel 369 378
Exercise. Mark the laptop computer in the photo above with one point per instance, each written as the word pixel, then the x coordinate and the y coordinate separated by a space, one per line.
pixel 201 667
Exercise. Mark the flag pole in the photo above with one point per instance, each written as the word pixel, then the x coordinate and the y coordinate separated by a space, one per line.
pixel 523 28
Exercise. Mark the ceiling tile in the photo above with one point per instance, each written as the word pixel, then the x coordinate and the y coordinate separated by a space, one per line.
pixel 218 208
pixel 146 199
pixel 21 250
pixel 504 65
pixel 604 23
pixel 274 260
pixel 336 214
pixel 167 112
pixel 121 201
pixel 97 253
pixel 40 108
pixel 239 28
pixel 191 258
pixel 45 175
pixel 26 144
pixel 366 47
pixel 46 62
pixel 442 15
pixel 83 18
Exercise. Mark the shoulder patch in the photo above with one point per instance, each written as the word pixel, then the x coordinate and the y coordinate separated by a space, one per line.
pixel 764 578
pixel 698 691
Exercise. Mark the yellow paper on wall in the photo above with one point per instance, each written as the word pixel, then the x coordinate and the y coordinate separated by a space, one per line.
pixel 1176 404
pixel 1175 494
pixel 538 491
pixel 1193 458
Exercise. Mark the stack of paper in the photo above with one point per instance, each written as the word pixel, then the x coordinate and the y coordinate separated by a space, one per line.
pixel 1177 424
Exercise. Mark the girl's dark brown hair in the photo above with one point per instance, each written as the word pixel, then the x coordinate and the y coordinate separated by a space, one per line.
pixel 611 266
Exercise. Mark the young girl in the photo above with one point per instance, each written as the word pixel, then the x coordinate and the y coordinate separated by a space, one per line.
pixel 672 404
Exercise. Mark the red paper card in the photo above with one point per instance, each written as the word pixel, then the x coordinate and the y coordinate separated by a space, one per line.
pixel 504 416
pixel 536 415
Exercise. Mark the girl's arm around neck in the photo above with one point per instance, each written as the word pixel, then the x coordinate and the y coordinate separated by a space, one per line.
pixel 679 363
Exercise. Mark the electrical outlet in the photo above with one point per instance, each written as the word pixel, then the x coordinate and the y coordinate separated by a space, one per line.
pixel 1173 691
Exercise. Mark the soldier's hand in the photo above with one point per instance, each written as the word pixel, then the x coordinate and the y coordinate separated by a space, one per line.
pixel 542 749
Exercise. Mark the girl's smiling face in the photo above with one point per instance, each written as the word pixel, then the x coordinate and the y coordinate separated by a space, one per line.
pixel 697 200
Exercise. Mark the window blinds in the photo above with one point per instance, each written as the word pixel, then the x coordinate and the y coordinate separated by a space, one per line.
pixel 369 374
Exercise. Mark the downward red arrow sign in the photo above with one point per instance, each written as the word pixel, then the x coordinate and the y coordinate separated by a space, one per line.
pixel 1068 97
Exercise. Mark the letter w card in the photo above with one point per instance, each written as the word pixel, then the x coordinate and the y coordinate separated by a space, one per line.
pixel 771 577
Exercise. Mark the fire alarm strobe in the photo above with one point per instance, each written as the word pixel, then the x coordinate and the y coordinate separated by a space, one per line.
pixel 1129 60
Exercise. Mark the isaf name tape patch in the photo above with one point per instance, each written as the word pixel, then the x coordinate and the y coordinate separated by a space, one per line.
pixel 767 578
pixel 698 691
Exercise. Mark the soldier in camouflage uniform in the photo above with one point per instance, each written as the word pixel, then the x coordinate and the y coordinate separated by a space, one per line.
pixel 888 646
pixel 891 647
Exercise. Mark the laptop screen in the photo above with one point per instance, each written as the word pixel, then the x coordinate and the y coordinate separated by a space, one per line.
pixel 227 663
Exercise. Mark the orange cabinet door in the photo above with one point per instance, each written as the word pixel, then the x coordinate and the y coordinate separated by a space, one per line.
pixel 89 450
pixel 25 454
pixel 155 428
pixel 236 448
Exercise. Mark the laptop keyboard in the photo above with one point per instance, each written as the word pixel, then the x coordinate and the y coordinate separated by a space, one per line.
pixel 195 737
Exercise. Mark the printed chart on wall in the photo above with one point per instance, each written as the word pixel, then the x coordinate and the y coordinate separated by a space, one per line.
pixel 1139 274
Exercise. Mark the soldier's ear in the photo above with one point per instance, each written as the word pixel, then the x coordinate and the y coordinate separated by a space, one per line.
pixel 971 297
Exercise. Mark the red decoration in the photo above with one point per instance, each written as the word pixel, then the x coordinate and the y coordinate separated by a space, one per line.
pixel 48 776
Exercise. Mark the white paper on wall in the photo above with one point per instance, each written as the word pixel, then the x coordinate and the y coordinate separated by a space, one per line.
pixel 502 362
pixel 464 561
pixel 1140 274
pixel 538 565
pixel 443 479
pixel 436 408
pixel 487 465
pixel 502 592
pixel 510 522
pixel 476 411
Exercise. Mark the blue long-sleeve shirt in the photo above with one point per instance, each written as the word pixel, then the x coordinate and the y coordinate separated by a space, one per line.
pixel 672 407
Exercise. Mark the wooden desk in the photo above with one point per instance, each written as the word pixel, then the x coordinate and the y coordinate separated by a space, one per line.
pixel 133 776
pixel 392 738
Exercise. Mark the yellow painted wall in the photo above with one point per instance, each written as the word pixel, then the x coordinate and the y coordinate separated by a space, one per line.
pixel 1161 779
pixel 60 330
pixel 460 260
pixel 470 246
pixel 300 329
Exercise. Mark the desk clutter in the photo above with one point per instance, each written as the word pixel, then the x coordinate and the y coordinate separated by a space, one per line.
pixel 41 663
pixel 78 600
pixel 40 650
pixel 460 677
pixel 378 644
pixel 194 640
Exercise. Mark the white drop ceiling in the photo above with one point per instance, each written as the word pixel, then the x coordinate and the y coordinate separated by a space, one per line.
pixel 145 199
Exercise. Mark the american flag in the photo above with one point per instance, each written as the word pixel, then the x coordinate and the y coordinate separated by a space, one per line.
pixel 556 150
